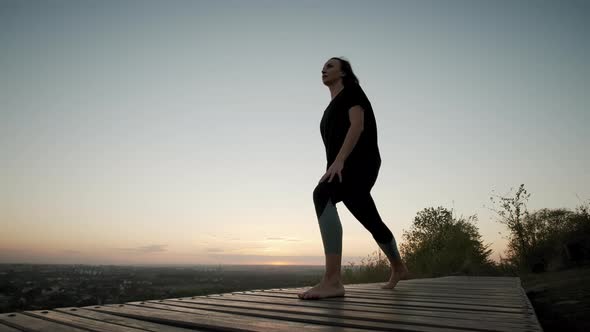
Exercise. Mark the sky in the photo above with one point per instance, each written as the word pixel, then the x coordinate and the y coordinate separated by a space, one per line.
pixel 187 132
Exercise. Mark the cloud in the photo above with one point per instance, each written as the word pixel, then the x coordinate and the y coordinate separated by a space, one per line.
pixel 146 249
pixel 269 259
pixel 11 250
pixel 253 247
pixel 282 239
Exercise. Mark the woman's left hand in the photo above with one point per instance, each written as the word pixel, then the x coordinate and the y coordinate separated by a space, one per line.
pixel 334 169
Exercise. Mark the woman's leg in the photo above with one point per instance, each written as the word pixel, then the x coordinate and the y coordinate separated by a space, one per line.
pixel 325 198
pixel 362 207
pixel 331 230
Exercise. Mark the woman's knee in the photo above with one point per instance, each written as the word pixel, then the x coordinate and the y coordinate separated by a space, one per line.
pixel 321 195
pixel 363 208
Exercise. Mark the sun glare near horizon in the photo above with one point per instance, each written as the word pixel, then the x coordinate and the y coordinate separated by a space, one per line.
pixel 279 263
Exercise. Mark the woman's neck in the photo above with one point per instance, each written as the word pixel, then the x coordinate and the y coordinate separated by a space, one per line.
pixel 335 89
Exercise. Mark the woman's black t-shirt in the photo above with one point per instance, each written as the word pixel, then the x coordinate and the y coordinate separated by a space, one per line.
pixel 364 160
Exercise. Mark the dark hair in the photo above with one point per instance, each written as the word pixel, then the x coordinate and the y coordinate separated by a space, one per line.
pixel 349 76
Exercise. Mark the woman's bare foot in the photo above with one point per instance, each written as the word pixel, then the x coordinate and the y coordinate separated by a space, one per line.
pixel 323 290
pixel 399 272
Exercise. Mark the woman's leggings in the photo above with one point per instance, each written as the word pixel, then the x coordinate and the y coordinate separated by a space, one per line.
pixel 361 205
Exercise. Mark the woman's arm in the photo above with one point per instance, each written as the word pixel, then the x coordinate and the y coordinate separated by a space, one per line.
pixel 356 115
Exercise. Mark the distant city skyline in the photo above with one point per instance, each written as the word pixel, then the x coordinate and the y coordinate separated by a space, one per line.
pixel 187 132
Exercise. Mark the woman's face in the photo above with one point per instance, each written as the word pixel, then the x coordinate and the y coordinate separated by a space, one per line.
pixel 331 72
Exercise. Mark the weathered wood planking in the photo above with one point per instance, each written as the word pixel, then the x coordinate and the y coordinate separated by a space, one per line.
pixel 454 303
pixel 28 323
pixel 4 328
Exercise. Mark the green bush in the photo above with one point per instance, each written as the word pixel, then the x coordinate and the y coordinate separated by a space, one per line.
pixel 440 244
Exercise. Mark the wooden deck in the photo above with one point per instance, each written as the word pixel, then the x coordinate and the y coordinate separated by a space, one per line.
pixel 457 303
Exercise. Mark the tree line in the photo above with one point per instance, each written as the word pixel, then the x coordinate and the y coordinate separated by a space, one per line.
pixel 439 243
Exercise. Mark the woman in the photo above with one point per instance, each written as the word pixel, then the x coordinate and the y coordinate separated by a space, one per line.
pixel 349 133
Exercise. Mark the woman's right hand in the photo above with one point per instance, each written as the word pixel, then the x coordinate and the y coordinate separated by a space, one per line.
pixel 334 170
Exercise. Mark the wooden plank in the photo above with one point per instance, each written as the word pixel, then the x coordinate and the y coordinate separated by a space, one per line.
pixel 123 321
pixel 464 282
pixel 513 287
pixel 478 281
pixel 461 279
pixel 436 290
pixel 515 296
pixel 469 278
pixel 25 322
pixel 394 301
pixel 458 288
pixel 191 318
pixel 6 328
pixel 82 323
pixel 391 317
pixel 511 283
pixel 513 302
pixel 418 293
pixel 469 283
pixel 516 303
pixel 247 315
pixel 432 292
pixel 462 287
pixel 492 317
pixel 442 290
pixel 478 278
pixel 408 305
